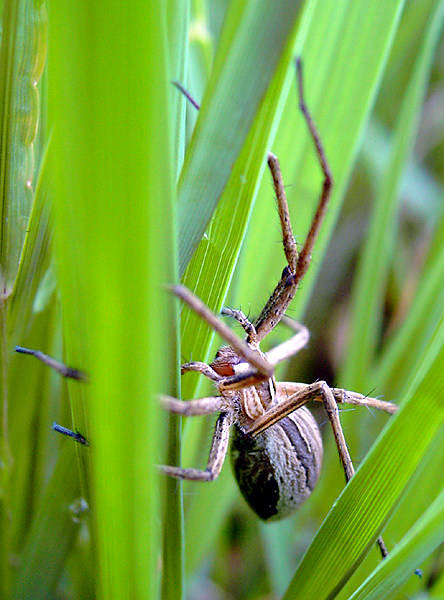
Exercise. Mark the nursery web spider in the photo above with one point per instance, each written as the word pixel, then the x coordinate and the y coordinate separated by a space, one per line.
pixel 276 448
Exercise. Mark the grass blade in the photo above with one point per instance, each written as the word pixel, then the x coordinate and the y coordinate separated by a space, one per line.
pixel 223 123
pixel 22 56
pixel 52 534
pixel 210 271
pixel 359 514
pixel 426 535
pixel 114 231
pixel 370 282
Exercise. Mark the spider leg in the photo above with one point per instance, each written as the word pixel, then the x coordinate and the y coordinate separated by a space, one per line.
pixel 249 328
pixel 294 395
pixel 289 347
pixel 218 452
pixel 297 265
pixel 191 408
pixel 285 290
pixel 242 348
pixel 200 367
pixel 287 389
pixel 305 254
pixel 316 391
pixel 290 247
pixel 331 408
pixel 346 397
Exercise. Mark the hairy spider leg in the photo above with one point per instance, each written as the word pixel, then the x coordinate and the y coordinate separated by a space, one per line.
pixel 286 288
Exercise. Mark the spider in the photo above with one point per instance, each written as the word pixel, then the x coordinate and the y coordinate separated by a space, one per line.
pixel 276 447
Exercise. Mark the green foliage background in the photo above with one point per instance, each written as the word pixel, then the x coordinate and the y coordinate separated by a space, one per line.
pixel 112 186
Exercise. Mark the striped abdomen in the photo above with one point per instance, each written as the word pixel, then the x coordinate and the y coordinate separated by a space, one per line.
pixel 278 469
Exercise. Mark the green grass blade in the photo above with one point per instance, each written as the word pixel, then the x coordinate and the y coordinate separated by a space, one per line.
pixel 424 538
pixel 173 527
pixel 114 231
pixel 34 259
pixel 224 122
pixel 370 282
pixel 395 363
pixel 210 271
pixel 359 514
pixel 178 19
pixel 52 533
pixel 22 57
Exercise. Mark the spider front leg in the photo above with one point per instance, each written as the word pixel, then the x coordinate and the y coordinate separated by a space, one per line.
pixel 192 408
pixel 200 367
pixel 254 358
pixel 243 320
pixel 274 356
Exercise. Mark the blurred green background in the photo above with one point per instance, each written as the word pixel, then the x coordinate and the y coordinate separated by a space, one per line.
pixel 113 186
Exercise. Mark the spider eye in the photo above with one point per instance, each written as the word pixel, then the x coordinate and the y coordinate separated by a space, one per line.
pixel 224 361
pixel 224 369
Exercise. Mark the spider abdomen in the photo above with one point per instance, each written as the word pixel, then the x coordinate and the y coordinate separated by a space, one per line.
pixel 278 469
